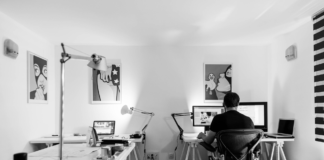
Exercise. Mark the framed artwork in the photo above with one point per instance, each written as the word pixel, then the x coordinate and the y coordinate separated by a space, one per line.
pixel 106 85
pixel 37 78
pixel 217 81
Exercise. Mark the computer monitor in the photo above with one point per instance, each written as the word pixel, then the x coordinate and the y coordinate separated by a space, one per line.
pixel 104 127
pixel 257 111
pixel 203 115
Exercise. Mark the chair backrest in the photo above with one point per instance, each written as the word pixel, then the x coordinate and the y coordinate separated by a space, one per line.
pixel 238 144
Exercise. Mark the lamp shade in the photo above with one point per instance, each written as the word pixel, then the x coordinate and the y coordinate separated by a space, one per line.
pixel 98 63
pixel 125 110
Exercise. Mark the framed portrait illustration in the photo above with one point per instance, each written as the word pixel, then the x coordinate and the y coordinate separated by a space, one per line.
pixel 217 81
pixel 106 85
pixel 37 78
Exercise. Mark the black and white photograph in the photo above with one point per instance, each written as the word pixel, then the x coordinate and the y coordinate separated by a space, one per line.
pixel 218 81
pixel 161 79
pixel 37 79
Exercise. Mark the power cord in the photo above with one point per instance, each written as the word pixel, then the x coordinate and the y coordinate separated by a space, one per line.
pixel 144 155
pixel 175 149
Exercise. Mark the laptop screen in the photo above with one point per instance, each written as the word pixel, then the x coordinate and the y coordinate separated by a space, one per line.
pixel 104 127
pixel 286 126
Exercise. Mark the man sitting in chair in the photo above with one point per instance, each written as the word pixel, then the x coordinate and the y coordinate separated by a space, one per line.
pixel 231 119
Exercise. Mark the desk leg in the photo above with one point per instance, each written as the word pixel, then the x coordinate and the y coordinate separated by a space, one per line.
pixel 49 145
pixel 135 155
pixel 282 153
pixel 199 157
pixel 278 153
pixel 138 152
pixel 193 146
pixel 265 150
pixel 184 146
pixel 280 150
pixel 188 150
pixel 272 151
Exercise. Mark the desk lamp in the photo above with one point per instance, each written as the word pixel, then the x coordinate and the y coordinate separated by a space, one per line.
pixel 95 61
pixel 178 115
pixel 126 110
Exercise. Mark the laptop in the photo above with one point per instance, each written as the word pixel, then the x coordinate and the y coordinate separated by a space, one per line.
pixel 104 128
pixel 285 129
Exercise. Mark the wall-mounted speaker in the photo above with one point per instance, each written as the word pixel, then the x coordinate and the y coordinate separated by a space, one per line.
pixel 291 53
pixel 10 48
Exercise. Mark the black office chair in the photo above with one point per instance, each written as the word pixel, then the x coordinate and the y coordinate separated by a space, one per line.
pixel 239 144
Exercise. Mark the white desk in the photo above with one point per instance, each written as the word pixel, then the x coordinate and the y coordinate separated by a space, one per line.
pixel 276 152
pixel 82 139
pixel 49 141
pixel 76 152
pixel 191 141
pixel 78 139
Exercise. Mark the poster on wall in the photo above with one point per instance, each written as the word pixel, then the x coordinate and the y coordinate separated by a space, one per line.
pixel 218 81
pixel 37 78
pixel 106 85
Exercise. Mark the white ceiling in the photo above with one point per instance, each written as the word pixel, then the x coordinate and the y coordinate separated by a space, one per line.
pixel 159 22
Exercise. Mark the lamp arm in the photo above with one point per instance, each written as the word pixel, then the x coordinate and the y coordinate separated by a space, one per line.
pixel 144 128
pixel 93 57
pixel 141 111
pixel 175 120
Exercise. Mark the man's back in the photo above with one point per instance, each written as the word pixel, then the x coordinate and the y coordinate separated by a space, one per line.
pixel 231 120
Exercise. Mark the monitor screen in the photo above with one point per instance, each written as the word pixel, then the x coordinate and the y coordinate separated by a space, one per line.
pixel 257 111
pixel 104 127
pixel 203 115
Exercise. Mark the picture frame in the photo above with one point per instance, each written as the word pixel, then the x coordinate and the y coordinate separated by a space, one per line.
pixel 106 86
pixel 37 81
pixel 217 81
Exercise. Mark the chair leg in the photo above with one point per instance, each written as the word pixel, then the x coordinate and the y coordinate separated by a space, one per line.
pixel 217 156
pixel 210 155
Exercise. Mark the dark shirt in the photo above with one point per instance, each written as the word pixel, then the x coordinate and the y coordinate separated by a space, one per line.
pixel 231 120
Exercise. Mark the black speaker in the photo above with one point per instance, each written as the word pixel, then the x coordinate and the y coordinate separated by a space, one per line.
pixel 20 156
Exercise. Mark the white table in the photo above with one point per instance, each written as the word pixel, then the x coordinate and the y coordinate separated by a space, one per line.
pixel 76 152
pixel 49 141
pixel 276 152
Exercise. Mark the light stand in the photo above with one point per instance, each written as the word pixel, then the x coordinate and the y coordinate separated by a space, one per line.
pixel 95 62
pixel 178 115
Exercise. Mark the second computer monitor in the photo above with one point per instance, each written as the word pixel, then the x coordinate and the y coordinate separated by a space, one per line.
pixel 257 111
pixel 203 115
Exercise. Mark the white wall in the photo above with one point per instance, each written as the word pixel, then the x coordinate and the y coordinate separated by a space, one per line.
pixel 291 91
pixel 20 122
pixel 163 80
